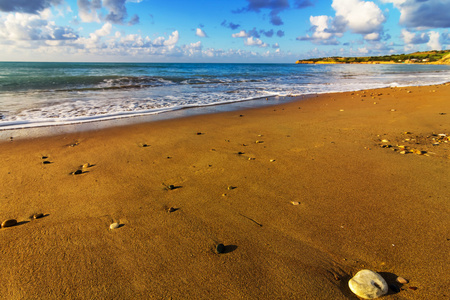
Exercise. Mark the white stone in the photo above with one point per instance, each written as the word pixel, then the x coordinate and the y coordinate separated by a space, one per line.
pixel 368 284
pixel 114 226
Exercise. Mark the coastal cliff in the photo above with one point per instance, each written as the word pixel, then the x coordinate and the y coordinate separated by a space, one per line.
pixel 428 57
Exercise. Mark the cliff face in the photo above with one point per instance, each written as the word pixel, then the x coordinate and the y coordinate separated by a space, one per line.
pixel 445 59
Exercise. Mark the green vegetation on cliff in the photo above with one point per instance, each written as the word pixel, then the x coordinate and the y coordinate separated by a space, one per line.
pixel 417 57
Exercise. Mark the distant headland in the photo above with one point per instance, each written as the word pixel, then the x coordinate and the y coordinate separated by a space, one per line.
pixel 426 57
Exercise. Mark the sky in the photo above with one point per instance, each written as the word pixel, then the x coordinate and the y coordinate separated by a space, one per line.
pixel 241 31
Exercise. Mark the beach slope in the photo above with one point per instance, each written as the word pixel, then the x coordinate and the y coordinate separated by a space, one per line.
pixel 301 195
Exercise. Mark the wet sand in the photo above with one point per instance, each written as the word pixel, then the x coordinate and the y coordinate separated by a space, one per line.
pixel 302 195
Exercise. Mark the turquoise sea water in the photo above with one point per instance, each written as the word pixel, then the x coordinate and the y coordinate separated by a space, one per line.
pixel 37 94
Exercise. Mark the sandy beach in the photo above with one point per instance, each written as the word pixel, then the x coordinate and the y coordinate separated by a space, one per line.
pixel 302 195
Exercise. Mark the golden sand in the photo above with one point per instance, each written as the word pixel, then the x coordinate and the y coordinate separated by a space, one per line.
pixel 302 196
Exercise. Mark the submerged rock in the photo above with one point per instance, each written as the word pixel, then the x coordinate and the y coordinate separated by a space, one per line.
pixel 368 284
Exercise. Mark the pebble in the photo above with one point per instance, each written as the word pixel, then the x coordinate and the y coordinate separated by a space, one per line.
pixel 9 223
pixel 368 285
pixel 38 216
pixel 86 165
pixel 402 280
pixel 77 172
pixel 171 209
pixel 272 160
pixel 220 248
pixel 393 110
pixel 114 226
pixel 295 202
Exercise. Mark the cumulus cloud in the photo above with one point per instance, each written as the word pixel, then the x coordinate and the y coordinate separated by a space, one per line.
pixel 356 16
pixel 117 11
pixel 27 6
pixel 414 38
pixel 257 33
pixel 240 34
pixel 434 42
pixel 199 32
pixel 251 41
pixel 230 25
pixel 29 27
pixel 323 31
pixel 87 10
pixel 275 7
pixel 423 13
pixel 363 17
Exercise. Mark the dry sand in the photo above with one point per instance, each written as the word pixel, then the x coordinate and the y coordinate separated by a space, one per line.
pixel 360 205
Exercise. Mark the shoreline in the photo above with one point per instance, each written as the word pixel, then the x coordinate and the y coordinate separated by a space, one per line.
pixel 302 195
pixel 45 130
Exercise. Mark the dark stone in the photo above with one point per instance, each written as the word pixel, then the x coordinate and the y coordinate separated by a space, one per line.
pixel 38 216
pixel 9 223
pixel 220 248
pixel 78 172
pixel 171 187
pixel 46 162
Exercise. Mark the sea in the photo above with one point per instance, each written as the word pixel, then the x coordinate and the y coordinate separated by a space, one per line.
pixel 36 94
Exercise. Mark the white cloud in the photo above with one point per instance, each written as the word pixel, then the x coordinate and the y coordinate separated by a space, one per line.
pixel 173 39
pixel 105 30
pixel 363 50
pixel 200 33
pixel 414 38
pixel 362 17
pixel 240 34
pixel 251 41
pixel 87 10
pixel 320 24
pixel 33 27
pixel 434 43
pixel 374 36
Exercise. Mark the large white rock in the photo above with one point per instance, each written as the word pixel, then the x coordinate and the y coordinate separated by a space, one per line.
pixel 368 284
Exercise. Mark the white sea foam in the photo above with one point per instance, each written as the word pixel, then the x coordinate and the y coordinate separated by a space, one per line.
pixel 80 98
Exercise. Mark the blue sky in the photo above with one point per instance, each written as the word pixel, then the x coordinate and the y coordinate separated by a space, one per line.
pixel 218 30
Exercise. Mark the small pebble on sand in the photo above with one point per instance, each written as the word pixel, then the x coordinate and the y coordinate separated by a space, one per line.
pixel 220 248
pixel 38 216
pixel 171 209
pixel 402 280
pixel 9 223
pixel 114 226
pixel 295 202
